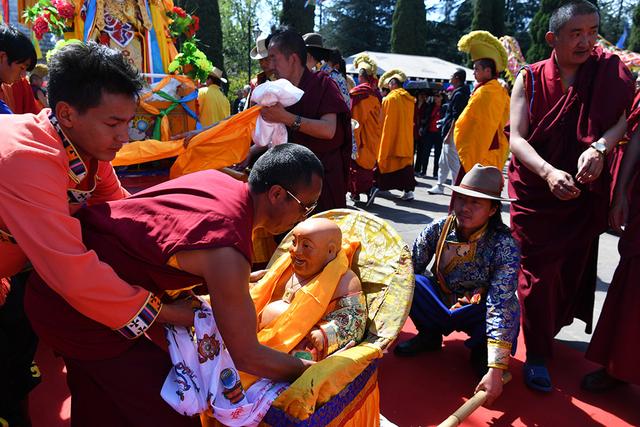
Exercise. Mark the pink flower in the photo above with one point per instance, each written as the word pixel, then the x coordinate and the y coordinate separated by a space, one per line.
pixel 40 26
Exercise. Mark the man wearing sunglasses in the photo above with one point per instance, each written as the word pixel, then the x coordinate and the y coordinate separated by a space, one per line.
pixel 174 236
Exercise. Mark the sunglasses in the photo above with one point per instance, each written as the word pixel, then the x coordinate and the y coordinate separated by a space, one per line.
pixel 307 209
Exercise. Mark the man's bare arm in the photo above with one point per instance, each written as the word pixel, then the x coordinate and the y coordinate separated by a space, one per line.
pixel 560 182
pixel 322 128
pixel 226 273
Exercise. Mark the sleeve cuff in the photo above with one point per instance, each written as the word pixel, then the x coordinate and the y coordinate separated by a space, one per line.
pixel 499 354
pixel 143 319
pixel 330 331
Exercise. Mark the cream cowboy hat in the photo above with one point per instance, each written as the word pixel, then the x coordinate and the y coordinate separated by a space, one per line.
pixel 483 182
pixel 217 72
pixel 260 50
pixel 482 44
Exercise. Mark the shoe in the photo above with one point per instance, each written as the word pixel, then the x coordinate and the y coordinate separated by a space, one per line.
pixel 419 344
pixel 600 381
pixel 436 189
pixel 355 198
pixel 371 196
pixel 407 196
pixel 537 377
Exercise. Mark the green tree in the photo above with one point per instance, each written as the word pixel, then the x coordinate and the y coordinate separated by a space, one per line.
pixel 518 16
pixel 489 15
pixel 409 28
pixel 210 33
pixel 634 37
pixel 298 14
pixel 357 25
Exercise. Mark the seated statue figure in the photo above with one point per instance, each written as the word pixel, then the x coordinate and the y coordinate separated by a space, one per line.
pixel 310 303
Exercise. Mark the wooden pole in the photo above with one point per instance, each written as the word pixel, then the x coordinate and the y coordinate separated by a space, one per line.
pixel 470 405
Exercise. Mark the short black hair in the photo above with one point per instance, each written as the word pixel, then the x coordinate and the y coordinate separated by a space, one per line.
pixel 17 46
pixel 289 42
pixel 288 165
pixel 80 72
pixel 461 75
pixel 564 13
pixel 488 63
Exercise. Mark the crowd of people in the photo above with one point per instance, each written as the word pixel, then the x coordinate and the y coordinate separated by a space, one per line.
pixel 93 271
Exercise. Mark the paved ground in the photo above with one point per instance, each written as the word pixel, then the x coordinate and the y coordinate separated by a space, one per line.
pixel 409 218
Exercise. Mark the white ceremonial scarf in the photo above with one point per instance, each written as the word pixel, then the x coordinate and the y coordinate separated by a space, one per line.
pixel 204 376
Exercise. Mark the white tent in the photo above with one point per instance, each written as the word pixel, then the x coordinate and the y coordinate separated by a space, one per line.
pixel 415 67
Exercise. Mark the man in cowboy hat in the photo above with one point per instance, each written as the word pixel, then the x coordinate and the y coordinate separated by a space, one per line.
pixel 321 121
pixel 568 112
pixel 395 155
pixel 479 131
pixel 472 284
pixel 214 106
pixel 260 53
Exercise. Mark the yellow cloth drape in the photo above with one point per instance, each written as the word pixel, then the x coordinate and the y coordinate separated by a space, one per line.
pixel 220 146
pixel 308 306
pixel 368 113
pixel 160 22
pixel 396 144
pixel 214 106
pixel 484 119
pixel 223 145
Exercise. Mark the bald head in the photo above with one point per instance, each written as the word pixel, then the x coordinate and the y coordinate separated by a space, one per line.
pixel 316 242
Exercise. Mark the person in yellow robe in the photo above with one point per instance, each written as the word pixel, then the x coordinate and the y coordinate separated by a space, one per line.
pixel 479 131
pixel 213 105
pixel 366 110
pixel 395 155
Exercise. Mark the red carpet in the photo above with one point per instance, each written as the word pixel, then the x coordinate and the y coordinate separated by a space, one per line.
pixel 424 390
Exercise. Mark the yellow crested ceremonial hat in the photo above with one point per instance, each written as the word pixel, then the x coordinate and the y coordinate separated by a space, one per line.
pixel 395 73
pixel 366 63
pixel 482 44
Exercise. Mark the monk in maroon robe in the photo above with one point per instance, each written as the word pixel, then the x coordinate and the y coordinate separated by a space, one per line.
pixel 321 120
pixel 567 113
pixel 191 230
pixel 614 344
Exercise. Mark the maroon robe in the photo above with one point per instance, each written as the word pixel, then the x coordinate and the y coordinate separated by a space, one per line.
pixel 322 96
pixel 137 236
pixel 614 343
pixel 559 239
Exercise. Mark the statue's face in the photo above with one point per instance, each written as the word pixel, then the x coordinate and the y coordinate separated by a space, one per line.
pixel 315 244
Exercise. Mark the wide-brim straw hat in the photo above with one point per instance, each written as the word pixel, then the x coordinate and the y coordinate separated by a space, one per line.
pixel 260 50
pixel 483 182
pixel 217 72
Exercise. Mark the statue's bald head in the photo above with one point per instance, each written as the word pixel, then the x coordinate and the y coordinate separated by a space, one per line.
pixel 316 242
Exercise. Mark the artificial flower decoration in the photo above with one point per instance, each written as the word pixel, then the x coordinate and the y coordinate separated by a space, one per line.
pixel 50 16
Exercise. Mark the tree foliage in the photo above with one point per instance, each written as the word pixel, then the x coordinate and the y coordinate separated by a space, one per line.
pixel 210 34
pixel 489 15
pixel 409 28
pixel 357 25
pixel 298 14
pixel 634 36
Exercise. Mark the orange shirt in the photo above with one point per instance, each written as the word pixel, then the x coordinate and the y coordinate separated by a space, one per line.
pixel 35 210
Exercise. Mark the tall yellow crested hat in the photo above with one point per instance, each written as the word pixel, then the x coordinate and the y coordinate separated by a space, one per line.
pixel 482 44
pixel 366 63
pixel 395 73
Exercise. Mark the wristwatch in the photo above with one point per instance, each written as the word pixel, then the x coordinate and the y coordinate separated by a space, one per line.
pixel 600 147
pixel 296 123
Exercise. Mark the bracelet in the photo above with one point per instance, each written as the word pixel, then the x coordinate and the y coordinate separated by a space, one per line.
pixel 296 123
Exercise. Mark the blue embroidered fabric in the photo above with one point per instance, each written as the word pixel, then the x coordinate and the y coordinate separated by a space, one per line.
pixel 495 266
